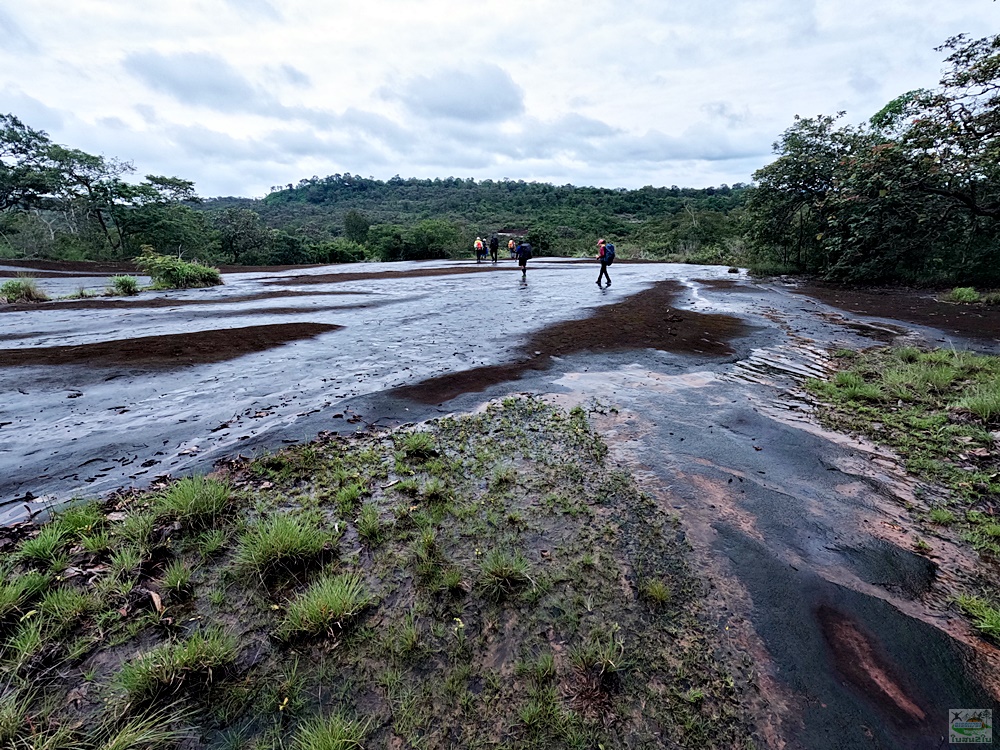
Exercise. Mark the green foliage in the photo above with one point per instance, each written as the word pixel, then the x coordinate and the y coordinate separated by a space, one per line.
pixel 281 540
pixel 983 401
pixel 177 579
pixel 194 501
pixel 23 289
pixel 331 602
pixel 962 294
pixel 194 662
pixel 173 273
pixel 503 573
pixel 912 196
pixel 123 286
pixel 985 617
pixel 333 733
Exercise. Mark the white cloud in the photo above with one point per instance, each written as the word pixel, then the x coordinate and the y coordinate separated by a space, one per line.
pixel 239 95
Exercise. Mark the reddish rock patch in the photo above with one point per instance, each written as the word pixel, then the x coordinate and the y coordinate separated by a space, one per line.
pixel 334 278
pixel 911 305
pixel 643 321
pixel 167 351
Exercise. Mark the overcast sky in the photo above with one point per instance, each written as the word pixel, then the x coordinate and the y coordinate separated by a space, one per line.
pixel 241 95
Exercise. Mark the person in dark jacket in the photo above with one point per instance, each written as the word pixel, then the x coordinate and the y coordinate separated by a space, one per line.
pixel 523 256
pixel 494 247
pixel 604 264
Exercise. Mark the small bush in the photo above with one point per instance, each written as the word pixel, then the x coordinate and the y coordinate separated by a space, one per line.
pixel 172 667
pixel 656 591
pixel 168 272
pixel 24 289
pixel 942 516
pixel 281 540
pixel 177 580
pixel 46 548
pixel 331 602
pixel 123 286
pixel 419 445
pixel 991 298
pixel 962 294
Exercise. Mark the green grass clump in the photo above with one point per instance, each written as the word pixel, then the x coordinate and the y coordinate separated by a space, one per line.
pixel 984 401
pixel 333 733
pixel 503 572
pixel 962 294
pixel 985 617
pixel 281 540
pixel 15 594
pixel 853 387
pixel 656 591
pixel 602 655
pixel 168 272
pixel 47 548
pixel 61 607
pixel 369 524
pixel 166 670
pixel 941 516
pixel 177 579
pixel 123 286
pixel 24 289
pixel 419 445
pixel 195 501
pixel 330 603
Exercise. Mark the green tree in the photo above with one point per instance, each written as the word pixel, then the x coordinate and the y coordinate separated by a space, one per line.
pixel 356 226
pixel 242 235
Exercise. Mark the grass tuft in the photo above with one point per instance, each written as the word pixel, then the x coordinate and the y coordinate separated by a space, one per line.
pixel 503 573
pixel 281 541
pixel 123 286
pixel 194 501
pixel 329 604
pixel 985 617
pixel 166 670
pixel 333 733
pixel 24 289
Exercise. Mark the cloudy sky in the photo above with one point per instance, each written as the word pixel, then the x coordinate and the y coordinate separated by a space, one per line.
pixel 241 95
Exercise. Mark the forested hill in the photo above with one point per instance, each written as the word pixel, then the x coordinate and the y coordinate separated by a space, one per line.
pixel 563 219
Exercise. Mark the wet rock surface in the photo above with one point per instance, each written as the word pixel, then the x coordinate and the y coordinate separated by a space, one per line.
pixel 692 375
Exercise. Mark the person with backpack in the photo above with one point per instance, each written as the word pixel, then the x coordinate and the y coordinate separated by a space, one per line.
pixel 494 247
pixel 512 248
pixel 605 254
pixel 479 249
pixel 523 256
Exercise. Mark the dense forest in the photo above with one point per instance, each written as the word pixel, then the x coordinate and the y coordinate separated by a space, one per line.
pixel 911 196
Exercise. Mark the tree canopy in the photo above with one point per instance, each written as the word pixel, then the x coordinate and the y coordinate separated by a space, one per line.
pixel 912 195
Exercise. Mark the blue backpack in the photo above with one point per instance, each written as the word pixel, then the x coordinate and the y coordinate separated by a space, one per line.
pixel 609 253
pixel 526 251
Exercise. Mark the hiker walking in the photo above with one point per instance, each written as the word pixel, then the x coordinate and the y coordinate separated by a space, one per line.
pixel 494 247
pixel 605 254
pixel 523 256
pixel 479 249
pixel 512 248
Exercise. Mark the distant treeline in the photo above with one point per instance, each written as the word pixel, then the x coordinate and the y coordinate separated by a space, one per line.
pixel 62 203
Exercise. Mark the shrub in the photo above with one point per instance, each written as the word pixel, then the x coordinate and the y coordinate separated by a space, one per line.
pixel 168 272
pixel 332 601
pixel 123 286
pixel 962 294
pixel 991 298
pixel 24 289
